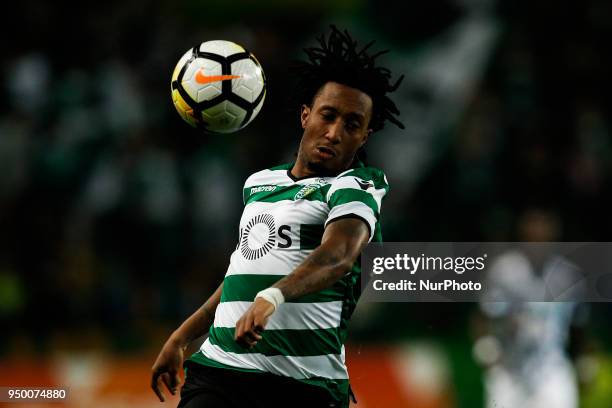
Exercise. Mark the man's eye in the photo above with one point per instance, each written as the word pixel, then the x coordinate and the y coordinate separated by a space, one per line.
pixel 328 116
pixel 352 125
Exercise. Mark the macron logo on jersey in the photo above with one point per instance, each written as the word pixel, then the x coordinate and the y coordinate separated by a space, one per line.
pixel 259 189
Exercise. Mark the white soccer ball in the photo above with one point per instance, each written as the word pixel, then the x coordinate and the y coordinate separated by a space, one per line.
pixel 219 87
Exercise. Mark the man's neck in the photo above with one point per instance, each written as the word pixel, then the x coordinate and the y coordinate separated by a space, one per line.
pixel 301 170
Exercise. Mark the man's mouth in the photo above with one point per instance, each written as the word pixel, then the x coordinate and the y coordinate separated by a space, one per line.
pixel 326 152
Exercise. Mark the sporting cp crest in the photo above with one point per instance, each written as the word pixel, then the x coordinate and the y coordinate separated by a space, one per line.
pixel 309 189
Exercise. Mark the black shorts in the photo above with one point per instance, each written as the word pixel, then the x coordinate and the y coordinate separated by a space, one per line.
pixel 208 387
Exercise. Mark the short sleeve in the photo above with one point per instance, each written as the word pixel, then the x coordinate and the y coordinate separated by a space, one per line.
pixel 358 193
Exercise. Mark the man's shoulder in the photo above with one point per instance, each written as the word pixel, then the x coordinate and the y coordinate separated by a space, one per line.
pixel 366 174
pixel 285 166
pixel 270 175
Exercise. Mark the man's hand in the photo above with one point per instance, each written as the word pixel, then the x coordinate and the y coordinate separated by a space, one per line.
pixel 167 367
pixel 170 358
pixel 252 323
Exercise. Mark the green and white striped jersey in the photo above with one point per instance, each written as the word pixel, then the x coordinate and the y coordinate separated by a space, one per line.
pixel 282 223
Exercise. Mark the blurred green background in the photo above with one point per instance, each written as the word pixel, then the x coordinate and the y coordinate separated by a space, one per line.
pixel 110 232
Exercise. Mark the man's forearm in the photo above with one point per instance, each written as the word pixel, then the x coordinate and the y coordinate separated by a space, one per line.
pixel 340 246
pixel 320 270
pixel 199 322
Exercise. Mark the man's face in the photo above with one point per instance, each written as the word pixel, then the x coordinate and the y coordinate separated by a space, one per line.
pixel 335 127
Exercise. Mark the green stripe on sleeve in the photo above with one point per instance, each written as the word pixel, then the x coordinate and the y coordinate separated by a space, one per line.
pixel 347 195
pixel 369 174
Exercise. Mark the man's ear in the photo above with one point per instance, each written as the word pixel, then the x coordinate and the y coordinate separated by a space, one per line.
pixel 304 115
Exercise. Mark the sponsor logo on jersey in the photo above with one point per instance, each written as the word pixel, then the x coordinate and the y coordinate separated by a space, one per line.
pixel 262 188
pixel 309 189
pixel 253 250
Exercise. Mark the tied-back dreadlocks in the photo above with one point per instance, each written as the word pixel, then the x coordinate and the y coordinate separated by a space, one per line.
pixel 337 59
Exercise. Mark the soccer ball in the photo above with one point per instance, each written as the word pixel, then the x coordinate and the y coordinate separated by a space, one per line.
pixel 219 87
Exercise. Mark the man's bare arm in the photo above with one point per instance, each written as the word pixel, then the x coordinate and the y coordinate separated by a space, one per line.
pixel 341 244
pixel 199 322
pixel 170 358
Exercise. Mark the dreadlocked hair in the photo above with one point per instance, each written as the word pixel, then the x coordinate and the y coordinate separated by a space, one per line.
pixel 337 59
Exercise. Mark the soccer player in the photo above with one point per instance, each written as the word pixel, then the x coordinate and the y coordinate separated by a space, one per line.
pixel 524 350
pixel 278 321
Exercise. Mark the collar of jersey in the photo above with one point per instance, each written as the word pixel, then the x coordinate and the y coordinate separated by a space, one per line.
pixel 356 164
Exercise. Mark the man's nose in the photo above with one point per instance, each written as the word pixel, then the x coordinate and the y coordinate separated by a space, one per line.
pixel 334 131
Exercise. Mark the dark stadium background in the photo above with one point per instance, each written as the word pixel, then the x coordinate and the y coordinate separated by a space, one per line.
pixel 117 219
